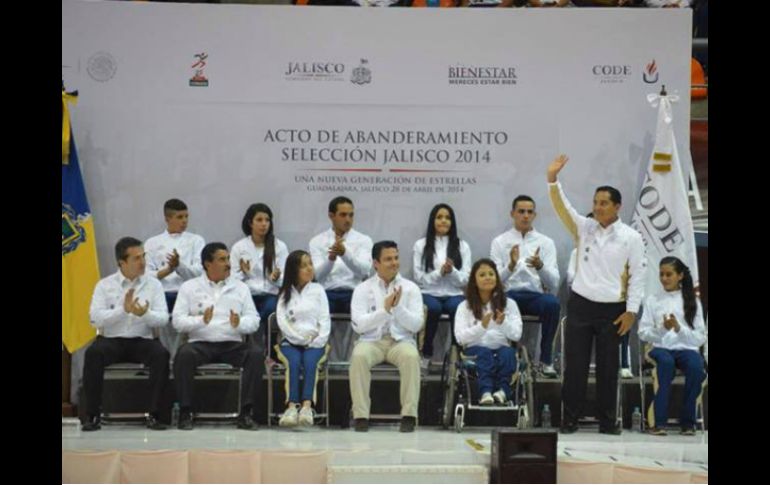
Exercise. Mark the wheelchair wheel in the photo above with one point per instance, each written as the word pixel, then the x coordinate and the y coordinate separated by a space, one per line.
pixel 459 418
pixel 523 420
pixel 449 396
pixel 528 405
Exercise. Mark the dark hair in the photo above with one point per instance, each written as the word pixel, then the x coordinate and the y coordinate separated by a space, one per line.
pixel 522 198
pixel 122 246
pixel 337 201
pixel 291 274
pixel 379 246
pixel 614 193
pixel 472 290
pixel 688 290
pixel 453 249
pixel 173 205
pixel 268 256
pixel 207 254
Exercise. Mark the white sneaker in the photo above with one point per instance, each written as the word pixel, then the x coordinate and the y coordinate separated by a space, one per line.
pixel 549 371
pixel 500 397
pixel 425 363
pixel 626 373
pixel 289 417
pixel 486 399
pixel 306 416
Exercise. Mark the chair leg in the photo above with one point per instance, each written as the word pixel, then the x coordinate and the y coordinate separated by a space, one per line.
pixel 699 415
pixel 619 405
pixel 641 390
pixel 240 385
pixel 326 396
pixel 269 395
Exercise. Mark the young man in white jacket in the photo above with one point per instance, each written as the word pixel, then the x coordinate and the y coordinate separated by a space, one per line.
pixel 387 313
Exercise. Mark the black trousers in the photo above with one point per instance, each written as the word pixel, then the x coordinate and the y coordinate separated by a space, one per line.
pixel 111 350
pixel 586 321
pixel 237 354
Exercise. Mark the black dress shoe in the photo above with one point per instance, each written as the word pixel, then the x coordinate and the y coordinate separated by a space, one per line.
pixel 245 421
pixel 568 428
pixel 153 423
pixel 185 421
pixel 615 430
pixel 361 424
pixel 92 424
pixel 407 424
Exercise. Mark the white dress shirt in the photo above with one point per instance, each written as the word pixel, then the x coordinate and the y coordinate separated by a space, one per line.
pixel 109 316
pixel 307 313
pixel 189 247
pixel 198 294
pixel 651 329
pixel 523 277
pixel 255 279
pixel 572 267
pixel 348 270
pixel 470 332
pixel 611 263
pixel 372 322
pixel 433 283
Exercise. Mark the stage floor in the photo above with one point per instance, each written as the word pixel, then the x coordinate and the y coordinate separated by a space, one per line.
pixel 384 445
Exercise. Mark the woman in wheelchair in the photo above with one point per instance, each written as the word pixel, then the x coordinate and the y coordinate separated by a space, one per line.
pixel 303 318
pixel 672 321
pixel 484 324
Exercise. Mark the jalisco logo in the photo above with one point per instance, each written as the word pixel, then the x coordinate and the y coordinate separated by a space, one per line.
pixel 650 74
pixel 315 71
pixel 611 73
pixel 199 78
pixel 362 74
pixel 481 75
pixel 101 67
pixel 315 68
pixel 327 70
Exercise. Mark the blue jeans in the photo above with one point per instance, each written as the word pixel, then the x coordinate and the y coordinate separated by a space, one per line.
pixel 170 300
pixel 691 364
pixel 305 360
pixel 265 304
pixel 494 368
pixel 547 308
pixel 436 306
pixel 339 300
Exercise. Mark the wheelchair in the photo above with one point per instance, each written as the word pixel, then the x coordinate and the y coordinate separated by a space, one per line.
pixel 458 376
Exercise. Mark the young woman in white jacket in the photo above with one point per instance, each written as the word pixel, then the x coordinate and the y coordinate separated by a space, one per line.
pixel 672 321
pixel 303 317
pixel 441 265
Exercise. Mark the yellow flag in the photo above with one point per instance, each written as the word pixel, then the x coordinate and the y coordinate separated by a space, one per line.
pixel 79 264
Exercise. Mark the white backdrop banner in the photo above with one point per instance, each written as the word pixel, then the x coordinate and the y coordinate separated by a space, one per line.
pixel 398 109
